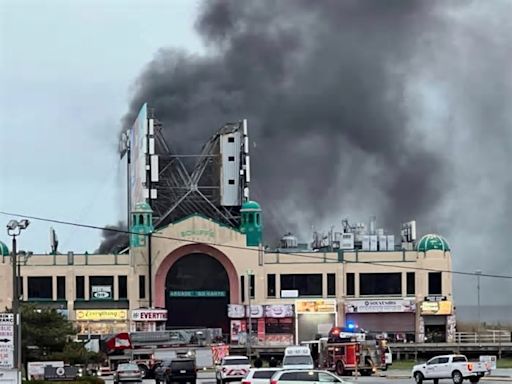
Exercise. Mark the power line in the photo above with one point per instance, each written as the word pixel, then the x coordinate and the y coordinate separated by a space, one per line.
pixel 308 256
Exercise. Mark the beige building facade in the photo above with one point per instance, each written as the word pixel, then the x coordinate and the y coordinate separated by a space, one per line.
pixel 204 274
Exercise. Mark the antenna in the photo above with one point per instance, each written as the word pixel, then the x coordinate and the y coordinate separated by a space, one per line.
pixel 54 241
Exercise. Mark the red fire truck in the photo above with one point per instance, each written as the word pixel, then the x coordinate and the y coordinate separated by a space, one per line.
pixel 345 352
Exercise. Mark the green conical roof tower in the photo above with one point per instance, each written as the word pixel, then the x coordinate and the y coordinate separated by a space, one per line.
pixel 252 223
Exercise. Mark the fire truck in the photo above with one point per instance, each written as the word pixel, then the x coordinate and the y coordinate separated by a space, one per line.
pixel 346 352
pixel 147 349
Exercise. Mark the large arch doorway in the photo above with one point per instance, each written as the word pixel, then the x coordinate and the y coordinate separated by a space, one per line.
pixel 197 292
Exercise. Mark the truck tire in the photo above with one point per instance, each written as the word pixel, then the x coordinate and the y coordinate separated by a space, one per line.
pixel 340 368
pixel 418 377
pixel 474 379
pixel 457 377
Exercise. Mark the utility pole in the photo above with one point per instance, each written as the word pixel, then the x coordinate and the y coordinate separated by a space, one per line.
pixel 249 326
pixel 478 273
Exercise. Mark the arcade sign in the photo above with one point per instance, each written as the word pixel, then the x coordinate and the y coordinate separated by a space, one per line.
pixel 149 315
pixel 197 293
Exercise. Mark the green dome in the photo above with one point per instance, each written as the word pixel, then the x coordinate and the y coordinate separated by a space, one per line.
pixel 433 242
pixel 142 207
pixel 4 250
pixel 251 206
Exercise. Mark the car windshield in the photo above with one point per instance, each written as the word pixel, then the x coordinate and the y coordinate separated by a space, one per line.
pixel 127 367
pixel 241 361
pixel 297 360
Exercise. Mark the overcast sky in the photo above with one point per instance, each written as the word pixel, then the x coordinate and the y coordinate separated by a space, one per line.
pixel 67 75
pixel 66 71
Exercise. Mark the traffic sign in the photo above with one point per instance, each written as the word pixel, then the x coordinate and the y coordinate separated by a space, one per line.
pixel 6 340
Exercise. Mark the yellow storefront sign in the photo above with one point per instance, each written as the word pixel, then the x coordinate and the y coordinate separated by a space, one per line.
pixel 436 308
pixel 315 306
pixel 101 314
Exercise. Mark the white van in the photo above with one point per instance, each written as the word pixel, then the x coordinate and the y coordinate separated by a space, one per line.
pixel 297 357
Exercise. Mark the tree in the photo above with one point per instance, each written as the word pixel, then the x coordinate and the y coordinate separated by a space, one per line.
pixel 43 332
pixel 75 353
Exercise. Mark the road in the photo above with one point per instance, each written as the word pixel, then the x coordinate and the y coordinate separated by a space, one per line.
pixel 209 378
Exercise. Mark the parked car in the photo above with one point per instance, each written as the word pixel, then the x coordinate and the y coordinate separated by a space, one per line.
pixel 455 367
pixel 176 370
pixel 260 375
pixel 232 368
pixel 127 372
pixel 297 376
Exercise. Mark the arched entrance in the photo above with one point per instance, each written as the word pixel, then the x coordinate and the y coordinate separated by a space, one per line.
pixel 195 283
pixel 197 292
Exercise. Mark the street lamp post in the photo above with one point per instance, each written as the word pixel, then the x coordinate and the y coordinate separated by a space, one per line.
pixel 478 273
pixel 14 229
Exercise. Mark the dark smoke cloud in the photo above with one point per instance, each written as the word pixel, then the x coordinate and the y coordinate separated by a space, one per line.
pixel 115 239
pixel 355 108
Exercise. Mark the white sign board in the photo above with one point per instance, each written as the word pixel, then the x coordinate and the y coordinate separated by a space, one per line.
pixel 289 293
pixel 490 362
pixel 36 368
pixel 101 292
pixel 149 315
pixel 379 306
pixel 6 340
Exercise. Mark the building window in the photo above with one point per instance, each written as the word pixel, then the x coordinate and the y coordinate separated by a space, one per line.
pixel 306 284
pixel 279 326
pixel 252 285
pixel 434 283
pixel 231 158
pixel 331 284
pixel 80 287
pixel 61 287
pixel 123 287
pixel 103 284
pixel 142 287
pixel 231 139
pixel 271 285
pixel 380 284
pixel 351 286
pixel 231 181
pixel 411 283
pixel 40 288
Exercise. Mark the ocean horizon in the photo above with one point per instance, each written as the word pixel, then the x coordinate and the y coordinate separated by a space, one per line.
pixel 490 314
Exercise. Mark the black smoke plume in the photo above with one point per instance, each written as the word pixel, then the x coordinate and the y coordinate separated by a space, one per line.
pixel 356 107
pixel 115 239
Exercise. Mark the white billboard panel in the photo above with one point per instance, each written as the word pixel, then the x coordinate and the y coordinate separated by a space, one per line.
pixel 230 193
pixel 138 149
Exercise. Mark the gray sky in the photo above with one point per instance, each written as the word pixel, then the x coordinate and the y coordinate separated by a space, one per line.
pixel 66 71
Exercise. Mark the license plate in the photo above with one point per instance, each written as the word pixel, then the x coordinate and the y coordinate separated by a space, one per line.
pixel 183 371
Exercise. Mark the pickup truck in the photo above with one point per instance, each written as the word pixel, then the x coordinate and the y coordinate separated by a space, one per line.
pixel 232 368
pixel 455 367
